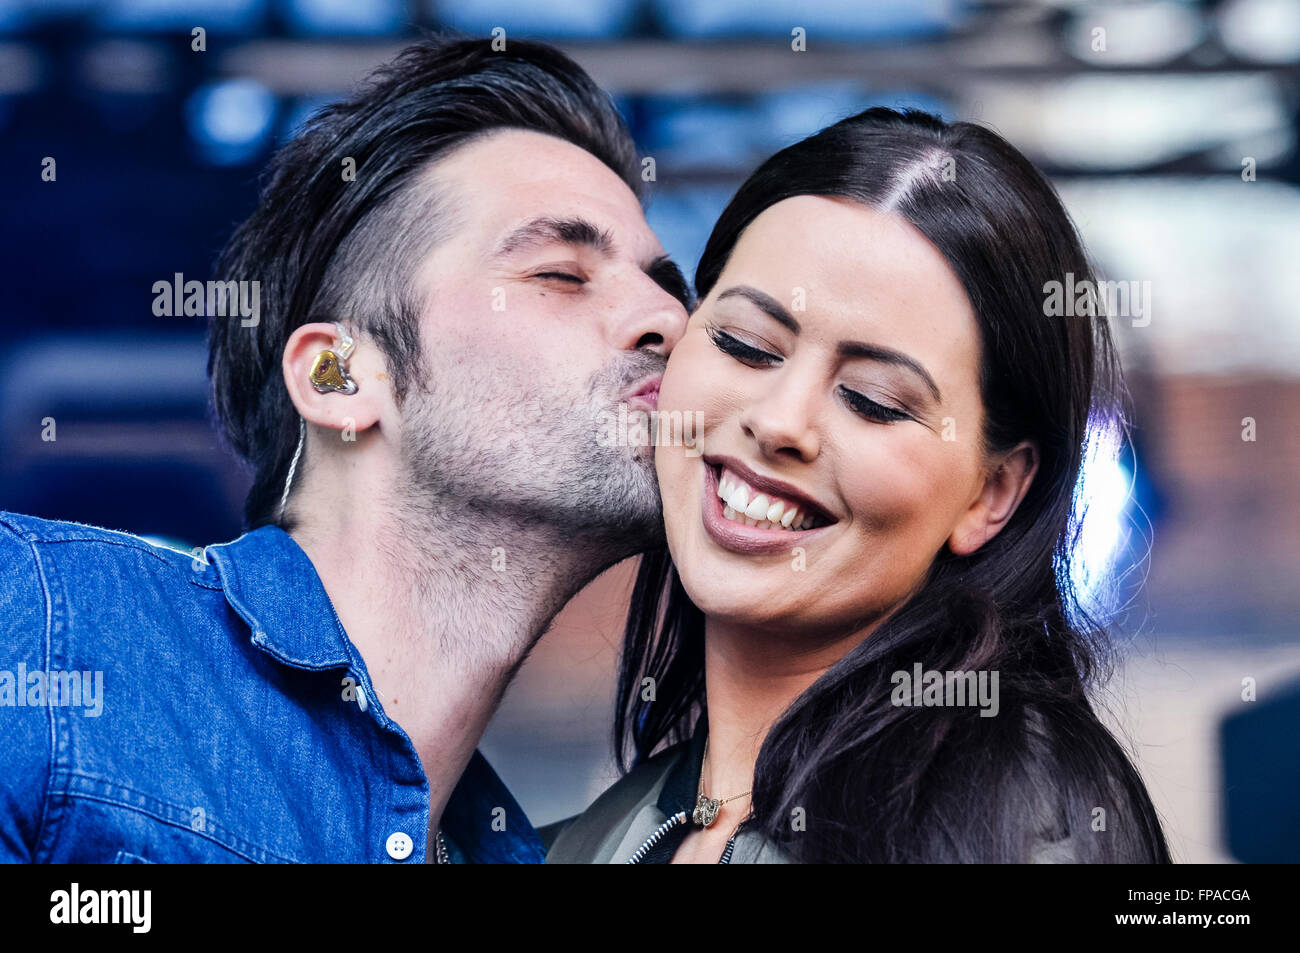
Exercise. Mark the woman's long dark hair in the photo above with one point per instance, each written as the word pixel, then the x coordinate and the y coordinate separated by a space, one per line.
pixel 844 774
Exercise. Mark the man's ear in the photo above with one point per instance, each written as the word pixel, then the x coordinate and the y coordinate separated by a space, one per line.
pixel 334 410
pixel 1005 485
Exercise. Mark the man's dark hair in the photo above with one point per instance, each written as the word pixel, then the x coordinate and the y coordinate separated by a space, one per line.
pixel 326 246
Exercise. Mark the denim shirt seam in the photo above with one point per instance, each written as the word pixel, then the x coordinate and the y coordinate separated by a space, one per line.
pixel 126 542
pixel 62 761
pixel 159 809
pixel 43 825
pixel 58 624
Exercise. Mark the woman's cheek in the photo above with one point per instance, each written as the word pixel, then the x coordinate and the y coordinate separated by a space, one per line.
pixel 712 400
pixel 887 485
pixel 690 364
pixel 901 513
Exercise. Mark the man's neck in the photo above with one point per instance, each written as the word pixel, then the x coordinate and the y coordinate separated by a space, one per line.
pixel 444 611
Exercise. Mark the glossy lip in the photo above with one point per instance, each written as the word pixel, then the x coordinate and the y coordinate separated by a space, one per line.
pixel 739 538
pixel 647 392
pixel 771 485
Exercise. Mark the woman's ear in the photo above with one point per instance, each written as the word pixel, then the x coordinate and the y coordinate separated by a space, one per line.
pixel 333 409
pixel 1005 485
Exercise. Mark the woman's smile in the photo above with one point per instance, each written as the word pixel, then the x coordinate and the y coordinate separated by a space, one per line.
pixel 787 521
pixel 876 390
pixel 826 466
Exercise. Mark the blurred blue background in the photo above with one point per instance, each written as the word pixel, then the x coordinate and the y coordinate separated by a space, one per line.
pixel 1169 127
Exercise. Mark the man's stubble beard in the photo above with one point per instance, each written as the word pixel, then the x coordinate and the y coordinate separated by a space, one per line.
pixel 534 459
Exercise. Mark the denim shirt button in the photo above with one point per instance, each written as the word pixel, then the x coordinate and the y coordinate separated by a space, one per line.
pixel 361 699
pixel 399 846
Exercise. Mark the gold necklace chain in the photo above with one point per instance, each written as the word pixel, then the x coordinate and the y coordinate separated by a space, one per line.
pixel 707 808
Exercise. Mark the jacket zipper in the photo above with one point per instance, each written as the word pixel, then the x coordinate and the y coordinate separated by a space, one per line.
pixel 675 821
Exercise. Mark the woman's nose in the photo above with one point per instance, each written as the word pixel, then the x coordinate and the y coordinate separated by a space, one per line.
pixel 781 421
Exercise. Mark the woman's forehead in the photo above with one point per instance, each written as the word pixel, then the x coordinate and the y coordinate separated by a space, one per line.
pixel 846 269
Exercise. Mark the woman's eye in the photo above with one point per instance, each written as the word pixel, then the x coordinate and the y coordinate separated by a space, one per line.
pixel 740 350
pixel 868 408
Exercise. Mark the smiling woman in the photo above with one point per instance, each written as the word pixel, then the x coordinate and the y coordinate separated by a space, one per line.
pixel 892 445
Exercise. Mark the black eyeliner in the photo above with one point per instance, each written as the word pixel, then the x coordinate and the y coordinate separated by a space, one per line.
pixel 867 407
pixel 739 349
pixel 859 403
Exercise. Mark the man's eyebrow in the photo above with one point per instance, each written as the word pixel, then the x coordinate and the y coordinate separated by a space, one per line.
pixel 872 352
pixel 668 276
pixel 546 230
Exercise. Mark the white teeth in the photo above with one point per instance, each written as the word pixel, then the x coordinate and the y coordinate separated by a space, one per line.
pixel 742 504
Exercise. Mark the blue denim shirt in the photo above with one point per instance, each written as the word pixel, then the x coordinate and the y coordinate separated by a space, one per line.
pixel 158 707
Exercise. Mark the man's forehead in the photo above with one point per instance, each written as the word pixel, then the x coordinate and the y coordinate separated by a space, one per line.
pixel 516 164
pixel 516 227
pixel 510 178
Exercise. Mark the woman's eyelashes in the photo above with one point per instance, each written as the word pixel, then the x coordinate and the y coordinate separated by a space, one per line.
pixel 858 403
pixel 745 353
pixel 864 405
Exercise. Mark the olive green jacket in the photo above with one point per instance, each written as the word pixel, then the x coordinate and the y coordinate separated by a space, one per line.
pixel 621 819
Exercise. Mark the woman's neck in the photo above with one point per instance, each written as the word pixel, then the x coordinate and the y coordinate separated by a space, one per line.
pixel 750 678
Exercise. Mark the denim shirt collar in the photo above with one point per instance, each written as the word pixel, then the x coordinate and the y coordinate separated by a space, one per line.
pixel 272 584
pixel 274 587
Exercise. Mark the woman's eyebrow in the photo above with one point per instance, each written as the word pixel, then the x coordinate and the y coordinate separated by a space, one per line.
pixel 887 355
pixel 764 302
pixel 872 352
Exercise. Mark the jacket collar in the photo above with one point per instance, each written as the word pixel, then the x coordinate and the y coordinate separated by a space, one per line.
pixel 273 586
pixel 682 784
pixel 680 790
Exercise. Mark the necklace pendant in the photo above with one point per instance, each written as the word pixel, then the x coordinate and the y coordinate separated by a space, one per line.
pixel 706 811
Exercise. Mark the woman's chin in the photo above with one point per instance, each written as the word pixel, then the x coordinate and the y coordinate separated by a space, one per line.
pixel 739 598
pixel 730 585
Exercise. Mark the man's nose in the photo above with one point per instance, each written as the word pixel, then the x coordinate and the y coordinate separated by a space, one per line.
pixel 655 321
